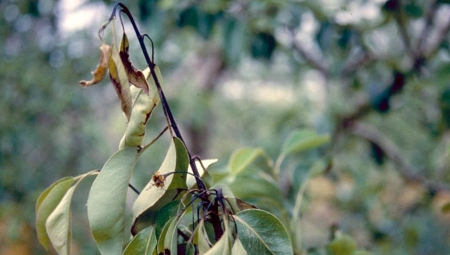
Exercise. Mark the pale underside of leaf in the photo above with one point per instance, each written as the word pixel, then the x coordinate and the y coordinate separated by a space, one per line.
pixel 238 248
pixel 107 201
pixel 58 224
pixel 201 238
pixel 205 163
pixel 223 246
pixel 102 67
pixel 46 204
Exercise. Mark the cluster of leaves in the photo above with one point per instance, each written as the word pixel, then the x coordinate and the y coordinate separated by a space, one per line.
pixel 173 214
pixel 42 139
pixel 253 176
pixel 399 91
pixel 416 118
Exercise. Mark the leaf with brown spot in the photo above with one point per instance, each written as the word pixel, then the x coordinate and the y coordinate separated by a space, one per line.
pixel 102 67
pixel 135 76
pixel 143 105
pixel 119 79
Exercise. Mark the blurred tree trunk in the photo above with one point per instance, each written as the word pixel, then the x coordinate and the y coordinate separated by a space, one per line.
pixel 205 68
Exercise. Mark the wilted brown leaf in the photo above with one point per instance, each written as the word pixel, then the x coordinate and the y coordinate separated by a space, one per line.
pixel 135 76
pixel 102 67
pixel 119 79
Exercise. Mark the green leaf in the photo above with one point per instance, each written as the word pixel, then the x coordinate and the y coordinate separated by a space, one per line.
pixel 153 198
pixel 106 202
pixel 58 223
pixel 170 239
pixel 342 245
pixel 167 212
pixel 303 140
pixel 161 240
pixel 243 158
pixel 46 203
pixel 142 244
pixel 258 188
pixel 262 233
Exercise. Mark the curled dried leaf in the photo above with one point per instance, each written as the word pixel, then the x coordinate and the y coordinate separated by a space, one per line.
pixel 135 76
pixel 102 67
pixel 119 79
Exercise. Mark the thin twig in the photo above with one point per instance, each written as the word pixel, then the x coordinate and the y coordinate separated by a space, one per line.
pixel 154 140
pixel 133 188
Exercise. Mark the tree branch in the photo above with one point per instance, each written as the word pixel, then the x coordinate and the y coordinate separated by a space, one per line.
pixel 399 18
pixel 356 63
pixel 441 36
pixel 431 11
pixel 391 150
pixel 315 62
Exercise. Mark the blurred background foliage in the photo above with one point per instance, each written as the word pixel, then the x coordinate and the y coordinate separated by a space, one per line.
pixel 373 74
